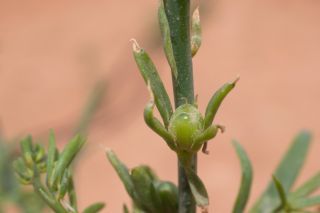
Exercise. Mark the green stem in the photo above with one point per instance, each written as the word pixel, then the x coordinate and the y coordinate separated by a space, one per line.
pixel 48 199
pixel 178 14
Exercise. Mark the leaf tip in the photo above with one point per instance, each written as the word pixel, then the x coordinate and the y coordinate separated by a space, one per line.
pixel 196 14
pixel 135 45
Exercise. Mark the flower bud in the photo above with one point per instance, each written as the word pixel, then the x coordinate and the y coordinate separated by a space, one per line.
pixel 185 125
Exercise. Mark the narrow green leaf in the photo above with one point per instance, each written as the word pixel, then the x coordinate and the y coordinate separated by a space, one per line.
pixel 196 37
pixel 24 174
pixel 72 193
pixel 246 179
pixel 27 150
pixel 168 194
pixel 43 193
pixel 198 189
pixel 216 101
pixel 51 157
pixel 151 76
pixel 308 187
pixel 142 178
pixel 286 172
pixel 306 202
pixel 64 185
pixel 167 44
pixel 282 195
pixel 156 125
pixel 39 153
pixel 94 208
pixel 122 172
pixel 66 157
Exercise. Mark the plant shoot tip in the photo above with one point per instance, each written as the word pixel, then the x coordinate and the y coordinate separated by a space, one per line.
pixel 196 13
pixel 105 148
pixel 236 80
pixel 135 45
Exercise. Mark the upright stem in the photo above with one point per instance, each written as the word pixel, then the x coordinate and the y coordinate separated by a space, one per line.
pixel 178 14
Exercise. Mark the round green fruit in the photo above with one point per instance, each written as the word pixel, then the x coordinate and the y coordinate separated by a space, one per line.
pixel 185 125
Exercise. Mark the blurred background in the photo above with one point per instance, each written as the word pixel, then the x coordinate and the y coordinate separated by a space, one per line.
pixel 53 54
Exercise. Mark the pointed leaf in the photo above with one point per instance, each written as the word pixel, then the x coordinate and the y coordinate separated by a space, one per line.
pixel 246 179
pixel 94 208
pixel 168 194
pixel 286 172
pixel 151 76
pixel 72 194
pixel 282 194
pixel 308 187
pixel 198 189
pixel 167 45
pixel 216 101
pixel 122 172
pixel 306 202
pixel 195 32
pixel 27 150
pixel 51 157
pixel 66 157
pixel 142 178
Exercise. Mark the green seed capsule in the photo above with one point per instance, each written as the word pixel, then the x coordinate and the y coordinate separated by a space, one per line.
pixel 185 125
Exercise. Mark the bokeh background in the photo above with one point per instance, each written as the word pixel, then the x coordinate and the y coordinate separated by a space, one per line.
pixel 54 53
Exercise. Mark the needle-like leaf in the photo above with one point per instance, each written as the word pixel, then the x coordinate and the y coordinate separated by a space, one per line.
pixel 123 172
pixel 287 172
pixel 94 208
pixel 216 101
pixel 152 78
pixel 167 45
pixel 197 188
pixel 246 179
pixel 307 188
pixel 65 158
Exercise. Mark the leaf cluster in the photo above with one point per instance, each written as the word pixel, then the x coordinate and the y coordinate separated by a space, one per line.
pixel 147 191
pixel 57 188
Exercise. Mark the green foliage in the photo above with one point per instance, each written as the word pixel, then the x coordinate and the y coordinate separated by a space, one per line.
pixel 196 37
pixel 184 130
pixel 11 191
pixel 58 191
pixel 167 44
pixel 198 189
pixel 148 192
pixel 286 173
pixel 246 179
pixel 151 77
pixel 94 208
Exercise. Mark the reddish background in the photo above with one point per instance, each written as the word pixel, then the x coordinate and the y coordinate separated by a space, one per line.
pixel 53 52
